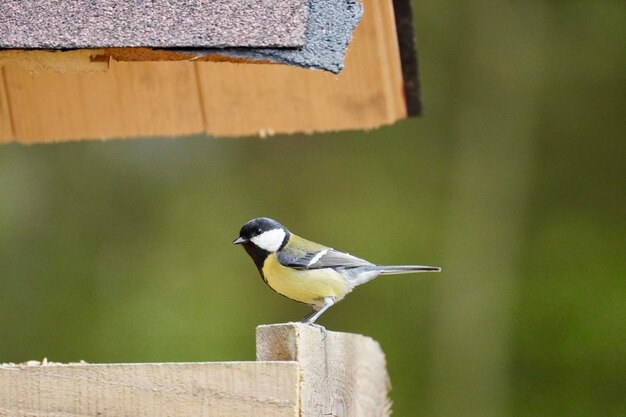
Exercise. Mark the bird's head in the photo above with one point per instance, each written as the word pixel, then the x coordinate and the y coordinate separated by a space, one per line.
pixel 264 233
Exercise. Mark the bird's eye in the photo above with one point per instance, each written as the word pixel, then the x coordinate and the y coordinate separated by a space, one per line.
pixel 258 231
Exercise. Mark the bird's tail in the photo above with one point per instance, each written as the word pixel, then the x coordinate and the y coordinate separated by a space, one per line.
pixel 405 269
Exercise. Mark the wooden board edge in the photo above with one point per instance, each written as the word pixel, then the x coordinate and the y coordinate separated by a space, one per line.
pixel 224 389
pixel 405 30
pixel 7 130
pixel 73 61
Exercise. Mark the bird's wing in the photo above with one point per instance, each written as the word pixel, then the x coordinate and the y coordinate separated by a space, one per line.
pixel 325 258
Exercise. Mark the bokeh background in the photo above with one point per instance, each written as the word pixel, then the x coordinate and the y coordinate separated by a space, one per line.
pixel 513 181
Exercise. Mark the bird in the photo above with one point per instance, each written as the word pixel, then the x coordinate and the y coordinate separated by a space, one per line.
pixel 309 272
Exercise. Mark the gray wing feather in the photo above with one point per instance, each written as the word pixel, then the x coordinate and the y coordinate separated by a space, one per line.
pixel 327 258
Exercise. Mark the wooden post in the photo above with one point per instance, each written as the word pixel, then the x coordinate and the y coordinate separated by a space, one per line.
pixel 342 375
pixel 297 373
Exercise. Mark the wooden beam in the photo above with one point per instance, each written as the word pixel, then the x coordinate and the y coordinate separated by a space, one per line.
pixel 231 389
pixel 342 374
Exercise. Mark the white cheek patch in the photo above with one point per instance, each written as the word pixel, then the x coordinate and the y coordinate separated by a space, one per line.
pixel 270 240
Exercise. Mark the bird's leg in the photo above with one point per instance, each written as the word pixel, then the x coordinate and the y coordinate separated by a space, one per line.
pixel 314 315
pixel 306 318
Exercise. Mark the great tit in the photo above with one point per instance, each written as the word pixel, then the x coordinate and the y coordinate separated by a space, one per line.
pixel 306 271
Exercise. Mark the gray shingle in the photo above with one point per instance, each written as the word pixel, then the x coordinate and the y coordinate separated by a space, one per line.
pixel 329 31
pixel 60 24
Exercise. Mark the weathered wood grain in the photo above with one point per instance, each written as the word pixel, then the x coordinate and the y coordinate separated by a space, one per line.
pixel 342 375
pixel 72 62
pixel 131 99
pixel 231 389
pixel 6 125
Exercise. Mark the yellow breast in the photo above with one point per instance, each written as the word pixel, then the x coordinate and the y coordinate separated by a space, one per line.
pixel 309 287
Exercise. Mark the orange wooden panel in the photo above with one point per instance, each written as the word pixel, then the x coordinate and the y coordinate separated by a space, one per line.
pixel 244 99
pixel 76 61
pixel 6 127
pixel 131 99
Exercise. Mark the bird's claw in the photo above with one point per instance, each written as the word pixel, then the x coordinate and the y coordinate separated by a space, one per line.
pixel 321 328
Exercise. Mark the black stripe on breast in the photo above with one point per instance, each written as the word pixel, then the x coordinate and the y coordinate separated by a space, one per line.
pixel 258 255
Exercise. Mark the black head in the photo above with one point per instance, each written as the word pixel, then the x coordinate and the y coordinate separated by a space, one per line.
pixel 265 233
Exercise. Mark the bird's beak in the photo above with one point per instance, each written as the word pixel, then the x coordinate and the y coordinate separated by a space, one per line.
pixel 239 241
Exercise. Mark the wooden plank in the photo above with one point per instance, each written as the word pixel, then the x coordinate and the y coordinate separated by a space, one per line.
pixel 6 125
pixel 131 99
pixel 231 389
pixel 266 99
pixel 385 31
pixel 78 61
pixel 342 375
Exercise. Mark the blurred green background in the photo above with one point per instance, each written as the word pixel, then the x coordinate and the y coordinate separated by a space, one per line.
pixel 513 181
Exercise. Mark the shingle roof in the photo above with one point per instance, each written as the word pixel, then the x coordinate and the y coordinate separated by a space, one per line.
pixel 328 33
pixel 60 24
pixel 307 33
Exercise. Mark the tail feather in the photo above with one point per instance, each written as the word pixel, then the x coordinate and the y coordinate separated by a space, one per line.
pixel 361 275
pixel 405 269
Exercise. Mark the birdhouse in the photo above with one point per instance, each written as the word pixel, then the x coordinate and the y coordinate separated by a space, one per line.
pixel 119 69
